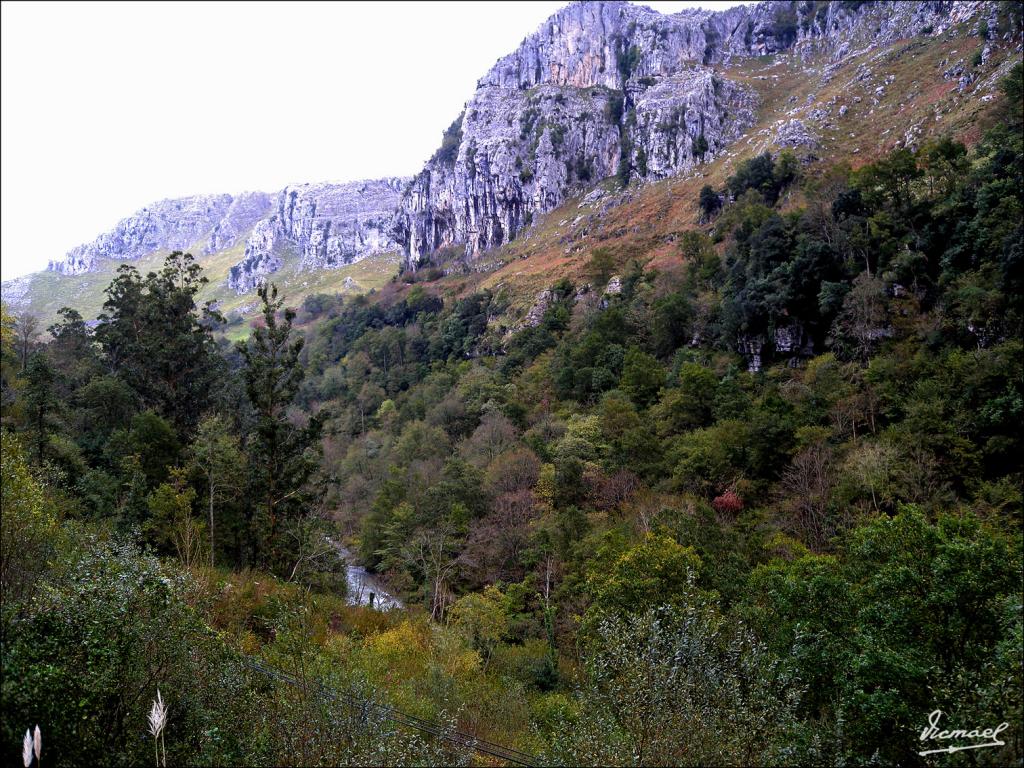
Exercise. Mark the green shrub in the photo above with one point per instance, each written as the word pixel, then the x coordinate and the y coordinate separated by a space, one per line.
pixel 450 142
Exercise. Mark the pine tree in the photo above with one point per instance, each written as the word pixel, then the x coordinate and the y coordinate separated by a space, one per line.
pixel 72 353
pixel 279 461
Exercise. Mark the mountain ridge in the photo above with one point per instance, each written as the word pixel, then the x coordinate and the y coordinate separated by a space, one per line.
pixel 645 97
pixel 657 106
pixel 222 219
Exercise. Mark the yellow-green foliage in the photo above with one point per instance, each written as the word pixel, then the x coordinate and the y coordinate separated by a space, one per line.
pixel 27 524
pixel 9 381
pixel 483 618
pixel 400 658
pixel 6 331
pixel 245 605
pixel 632 579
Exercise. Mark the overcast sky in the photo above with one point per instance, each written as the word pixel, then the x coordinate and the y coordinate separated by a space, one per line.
pixel 107 107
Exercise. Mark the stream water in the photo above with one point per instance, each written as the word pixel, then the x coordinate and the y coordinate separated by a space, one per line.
pixel 363 587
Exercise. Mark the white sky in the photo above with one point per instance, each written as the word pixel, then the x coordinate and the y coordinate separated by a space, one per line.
pixel 107 107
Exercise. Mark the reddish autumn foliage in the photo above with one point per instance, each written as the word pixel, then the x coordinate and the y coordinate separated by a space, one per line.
pixel 728 502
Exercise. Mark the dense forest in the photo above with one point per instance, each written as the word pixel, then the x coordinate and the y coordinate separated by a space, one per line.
pixel 764 509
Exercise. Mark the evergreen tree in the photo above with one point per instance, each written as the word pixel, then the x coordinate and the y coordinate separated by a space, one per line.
pixel 39 401
pixel 280 464
pixel 1012 87
pixel 154 338
pixel 710 202
pixel 700 146
pixel 72 352
pixel 625 168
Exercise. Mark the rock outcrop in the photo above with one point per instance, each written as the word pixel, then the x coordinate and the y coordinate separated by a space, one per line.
pixel 609 87
pixel 169 224
pixel 263 256
pixel 322 225
pixel 326 225
pixel 15 292
pixel 598 88
pixel 239 219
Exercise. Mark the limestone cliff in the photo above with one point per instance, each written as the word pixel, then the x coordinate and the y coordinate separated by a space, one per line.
pixel 240 217
pixel 325 225
pixel 600 89
pixel 609 87
pixel 328 225
pixel 168 224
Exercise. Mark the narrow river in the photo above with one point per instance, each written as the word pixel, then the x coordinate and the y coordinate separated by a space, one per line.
pixel 364 588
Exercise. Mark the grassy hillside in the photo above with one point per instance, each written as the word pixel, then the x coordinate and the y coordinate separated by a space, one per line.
pixel 49 291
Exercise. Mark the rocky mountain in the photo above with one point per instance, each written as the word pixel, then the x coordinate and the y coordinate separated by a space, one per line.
pixel 328 225
pixel 313 238
pixel 241 216
pixel 600 90
pixel 168 224
pixel 610 87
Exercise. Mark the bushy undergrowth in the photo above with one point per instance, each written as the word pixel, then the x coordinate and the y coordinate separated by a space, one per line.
pixel 761 507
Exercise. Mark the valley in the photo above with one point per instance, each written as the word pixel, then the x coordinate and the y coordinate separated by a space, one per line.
pixel 669 414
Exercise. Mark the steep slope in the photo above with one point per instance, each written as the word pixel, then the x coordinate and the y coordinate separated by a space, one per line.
pixel 329 225
pixel 243 213
pixel 311 237
pixel 854 109
pixel 608 87
pixel 601 94
pixel 43 293
pixel 168 224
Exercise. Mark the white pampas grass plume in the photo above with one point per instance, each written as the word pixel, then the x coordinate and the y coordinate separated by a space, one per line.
pixel 26 749
pixel 157 715
pixel 37 742
pixel 157 721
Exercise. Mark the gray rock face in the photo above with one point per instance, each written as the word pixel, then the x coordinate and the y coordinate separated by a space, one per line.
pixel 673 114
pixel 169 224
pixel 243 213
pixel 327 225
pixel 536 313
pixel 601 83
pixel 262 256
pixel 324 225
pixel 523 151
pixel 837 26
pixel 520 151
pixel 596 85
pixel 795 133
pixel 15 292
